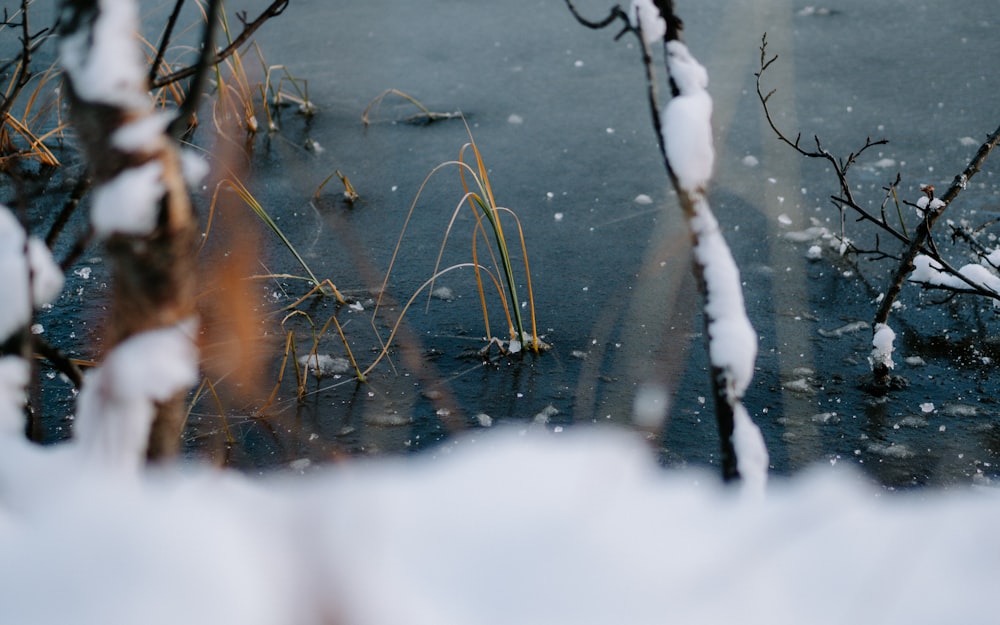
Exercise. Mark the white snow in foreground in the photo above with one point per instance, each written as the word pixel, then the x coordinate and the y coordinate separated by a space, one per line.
pixel 45 276
pixel 929 272
pixel 644 15
pixel 882 346
pixel 116 405
pixel 104 63
pixel 507 528
pixel 687 121
pixel 129 203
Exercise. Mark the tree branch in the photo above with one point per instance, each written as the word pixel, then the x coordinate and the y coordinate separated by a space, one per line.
pixel 249 28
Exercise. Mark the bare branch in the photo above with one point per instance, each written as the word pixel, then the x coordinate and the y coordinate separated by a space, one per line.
pixel 276 8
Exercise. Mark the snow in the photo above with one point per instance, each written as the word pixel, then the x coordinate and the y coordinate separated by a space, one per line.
pixel 117 402
pixel 104 63
pixel 325 365
pixel 643 14
pixel 925 202
pixel 651 405
pixel 14 374
pixel 752 459
pixel 687 121
pixel 129 203
pixel 45 276
pixel 142 133
pixel 929 272
pixel 508 527
pixel 882 345
pixel 732 339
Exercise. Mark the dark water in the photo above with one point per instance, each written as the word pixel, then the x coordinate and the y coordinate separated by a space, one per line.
pixel 561 117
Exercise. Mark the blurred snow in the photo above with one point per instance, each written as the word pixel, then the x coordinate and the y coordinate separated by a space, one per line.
pixel 510 527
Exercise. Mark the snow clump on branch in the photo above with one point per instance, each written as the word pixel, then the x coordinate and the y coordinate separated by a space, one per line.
pixel 17 269
pixel 118 400
pixel 882 346
pixel 644 15
pixel 103 64
pixel 687 121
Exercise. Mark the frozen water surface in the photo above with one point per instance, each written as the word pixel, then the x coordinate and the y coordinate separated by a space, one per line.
pixel 610 272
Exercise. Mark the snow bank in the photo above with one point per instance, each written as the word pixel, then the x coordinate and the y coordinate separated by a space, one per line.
pixel 502 528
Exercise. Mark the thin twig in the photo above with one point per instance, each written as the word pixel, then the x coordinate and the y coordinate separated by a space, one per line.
pixel 249 28
pixel 168 32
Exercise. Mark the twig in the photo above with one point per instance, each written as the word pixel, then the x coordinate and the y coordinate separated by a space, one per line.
pixel 187 110
pixel 249 28
pixel 168 32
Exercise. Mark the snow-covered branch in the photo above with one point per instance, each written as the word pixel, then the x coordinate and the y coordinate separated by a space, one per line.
pixel 684 128
pixel 141 208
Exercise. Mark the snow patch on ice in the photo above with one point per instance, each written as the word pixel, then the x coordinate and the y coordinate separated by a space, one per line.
pixel 325 365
